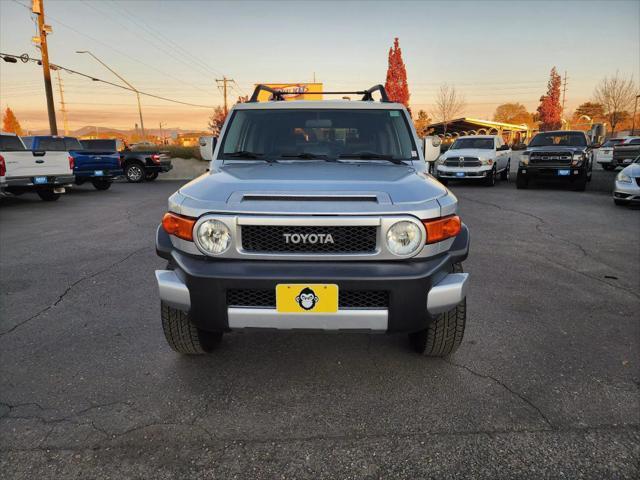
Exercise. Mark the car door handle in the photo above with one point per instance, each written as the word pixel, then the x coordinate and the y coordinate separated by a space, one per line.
pixel 39 161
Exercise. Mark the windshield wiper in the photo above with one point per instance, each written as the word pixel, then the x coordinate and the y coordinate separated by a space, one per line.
pixel 371 156
pixel 305 155
pixel 248 155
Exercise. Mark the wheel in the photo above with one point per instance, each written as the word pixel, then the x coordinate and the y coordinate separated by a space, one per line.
pixel 443 181
pixel 521 182
pixel 151 176
pixel 580 184
pixel 48 195
pixel 504 175
pixel 608 167
pixel 101 184
pixel 490 180
pixel 444 334
pixel 183 336
pixel 617 201
pixel 134 172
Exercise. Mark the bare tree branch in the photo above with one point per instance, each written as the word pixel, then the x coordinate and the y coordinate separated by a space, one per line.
pixel 449 104
pixel 617 95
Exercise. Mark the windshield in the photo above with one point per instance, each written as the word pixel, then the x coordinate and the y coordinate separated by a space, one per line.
pixel 613 142
pixel 319 133
pixel 559 139
pixel 108 145
pixel 481 143
pixel 10 143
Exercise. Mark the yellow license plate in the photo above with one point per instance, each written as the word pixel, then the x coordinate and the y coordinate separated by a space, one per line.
pixel 306 298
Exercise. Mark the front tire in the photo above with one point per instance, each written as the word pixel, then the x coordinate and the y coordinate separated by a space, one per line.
pixel 134 172
pixel 101 184
pixel 608 168
pixel 522 183
pixel 490 180
pixel 183 336
pixel 580 184
pixel 619 202
pixel 48 195
pixel 444 334
pixel 504 175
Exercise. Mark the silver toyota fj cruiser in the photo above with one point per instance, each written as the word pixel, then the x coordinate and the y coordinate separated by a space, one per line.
pixel 315 215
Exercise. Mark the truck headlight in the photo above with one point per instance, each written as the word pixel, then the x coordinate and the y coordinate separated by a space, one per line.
pixel 487 161
pixel 404 238
pixel 577 159
pixel 213 237
pixel 524 159
pixel 622 178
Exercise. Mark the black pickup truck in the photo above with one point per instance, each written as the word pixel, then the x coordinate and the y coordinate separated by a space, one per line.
pixel 624 153
pixel 141 165
pixel 561 155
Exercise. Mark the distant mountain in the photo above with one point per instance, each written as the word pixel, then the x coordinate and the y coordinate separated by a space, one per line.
pixel 91 130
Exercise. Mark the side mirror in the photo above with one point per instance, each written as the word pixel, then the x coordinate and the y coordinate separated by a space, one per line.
pixel 431 148
pixel 39 153
pixel 203 143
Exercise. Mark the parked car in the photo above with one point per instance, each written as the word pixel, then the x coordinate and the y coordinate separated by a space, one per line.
pixel 100 165
pixel 627 185
pixel 604 154
pixel 625 152
pixel 140 165
pixel 475 157
pixel 561 155
pixel 45 173
pixel 316 215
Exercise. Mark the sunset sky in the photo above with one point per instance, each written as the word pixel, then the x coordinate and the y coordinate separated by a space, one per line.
pixel 493 52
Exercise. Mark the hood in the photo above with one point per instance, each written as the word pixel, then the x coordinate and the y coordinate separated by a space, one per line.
pixel 557 148
pixel 469 152
pixel 316 187
pixel 632 170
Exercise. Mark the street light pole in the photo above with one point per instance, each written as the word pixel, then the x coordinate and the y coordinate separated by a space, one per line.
pixel 633 124
pixel 144 136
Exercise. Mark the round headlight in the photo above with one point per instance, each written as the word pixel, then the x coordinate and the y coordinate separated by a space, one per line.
pixel 404 238
pixel 213 236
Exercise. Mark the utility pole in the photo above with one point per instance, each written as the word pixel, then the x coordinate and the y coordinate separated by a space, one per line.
pixel 224 81
pixel 41 40
pixel 161 135
pixel 63 107
pixel 144 136
pixel 564 91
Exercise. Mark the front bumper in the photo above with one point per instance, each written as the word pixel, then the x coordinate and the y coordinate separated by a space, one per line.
pixel 418 290
pixel 627 192
pixel 462 173
pixel 551 172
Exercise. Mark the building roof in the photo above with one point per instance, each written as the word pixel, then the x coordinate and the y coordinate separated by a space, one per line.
pixel 468 123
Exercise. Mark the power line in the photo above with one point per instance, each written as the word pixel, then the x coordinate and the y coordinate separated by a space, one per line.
pixel 95 79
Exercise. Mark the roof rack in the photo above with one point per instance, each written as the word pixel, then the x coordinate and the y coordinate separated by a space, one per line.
pixel 278 95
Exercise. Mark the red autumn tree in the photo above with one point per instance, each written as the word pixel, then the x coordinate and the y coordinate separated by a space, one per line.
pixel 550 109
pixel 10 123
pixel 396 84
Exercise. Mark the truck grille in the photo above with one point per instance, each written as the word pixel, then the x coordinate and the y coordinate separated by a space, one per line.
pixel 466 162
pixel 348 299
pixel 551 158
pixel 308 239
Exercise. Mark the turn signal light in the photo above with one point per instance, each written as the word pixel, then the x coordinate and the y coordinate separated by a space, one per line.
pixel 179 226
pixel 3 167
pixel 442 228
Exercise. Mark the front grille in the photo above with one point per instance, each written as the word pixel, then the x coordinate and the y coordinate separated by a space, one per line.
pixel 466 162
pixel 548 158
pixel 308 239
pixel 348 299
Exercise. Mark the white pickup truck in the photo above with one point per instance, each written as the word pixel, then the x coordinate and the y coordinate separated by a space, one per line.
pixel 45 173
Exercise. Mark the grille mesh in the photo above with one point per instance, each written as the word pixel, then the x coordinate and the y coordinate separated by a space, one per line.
pixel 348 299
pixel 271 239
pixel 467 162
pixel 559 158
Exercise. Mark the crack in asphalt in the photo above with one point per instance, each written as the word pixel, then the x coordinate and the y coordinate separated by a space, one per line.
pixel 539 229
pixel 507 388
pixel 68 289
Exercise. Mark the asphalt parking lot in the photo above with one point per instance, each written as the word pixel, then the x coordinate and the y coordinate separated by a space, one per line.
pixel 545 385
